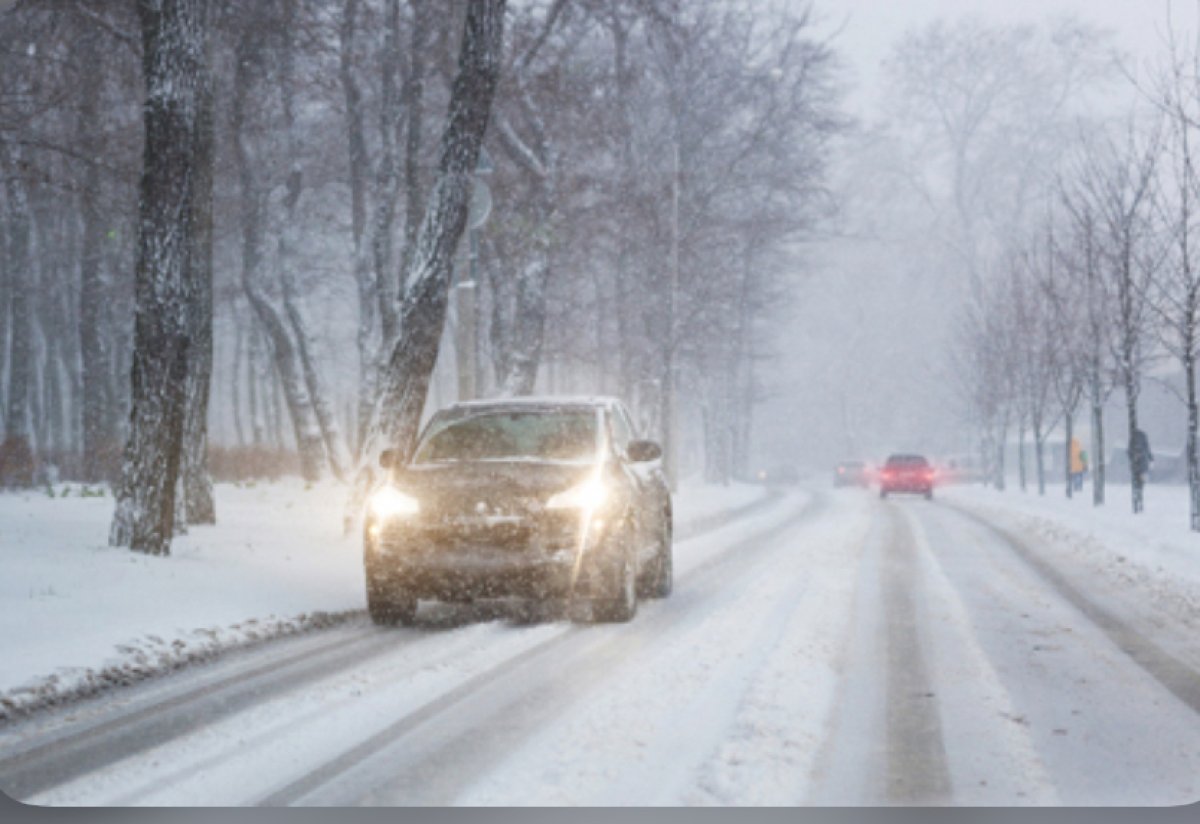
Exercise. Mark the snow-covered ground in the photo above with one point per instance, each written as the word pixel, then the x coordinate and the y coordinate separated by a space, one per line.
pixel 824 648
pixel 1153 552
pixel 77 614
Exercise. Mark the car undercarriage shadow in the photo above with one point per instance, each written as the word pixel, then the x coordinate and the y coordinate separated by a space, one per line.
pixel 439 616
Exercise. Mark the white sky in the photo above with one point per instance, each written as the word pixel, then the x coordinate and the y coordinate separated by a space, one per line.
pixel 872 26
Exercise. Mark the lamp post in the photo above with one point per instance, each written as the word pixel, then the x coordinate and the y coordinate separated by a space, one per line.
pixel 465 291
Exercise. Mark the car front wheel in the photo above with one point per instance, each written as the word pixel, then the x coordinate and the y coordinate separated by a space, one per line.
pixel 660 577
pixel 619 604
pixel 388 604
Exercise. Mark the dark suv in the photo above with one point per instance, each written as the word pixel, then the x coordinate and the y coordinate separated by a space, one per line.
pixel 534 498
pixel 906 473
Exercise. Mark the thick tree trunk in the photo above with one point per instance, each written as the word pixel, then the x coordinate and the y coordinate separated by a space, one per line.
pixel 175 70
pixel 199 507
pixel 397 414
pixel 359 171
pixel 16 449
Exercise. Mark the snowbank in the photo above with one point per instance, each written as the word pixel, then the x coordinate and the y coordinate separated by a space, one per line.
pixel 77 615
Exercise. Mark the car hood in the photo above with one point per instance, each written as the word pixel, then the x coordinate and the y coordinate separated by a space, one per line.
pixel 489 487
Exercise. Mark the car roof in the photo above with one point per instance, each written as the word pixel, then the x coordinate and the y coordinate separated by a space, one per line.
pixel 531 402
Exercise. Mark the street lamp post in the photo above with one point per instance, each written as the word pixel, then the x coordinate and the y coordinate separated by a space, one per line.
pixel 466 344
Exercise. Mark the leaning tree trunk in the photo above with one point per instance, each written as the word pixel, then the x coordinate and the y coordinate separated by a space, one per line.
pixel 173 61
pixel 405 380
pixel 287 245
pixel 307 430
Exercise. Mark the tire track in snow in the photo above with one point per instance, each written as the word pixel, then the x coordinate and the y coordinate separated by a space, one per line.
pixel 421 764
pixel 65 755
pixel 1102 729
pixel 916 756
pixel 883 742
pixel 1180 679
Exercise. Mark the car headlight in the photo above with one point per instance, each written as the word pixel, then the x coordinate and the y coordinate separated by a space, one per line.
pixel 589 495
pixel 390 502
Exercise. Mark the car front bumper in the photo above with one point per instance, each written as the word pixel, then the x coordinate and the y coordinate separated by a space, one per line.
pixel 526 560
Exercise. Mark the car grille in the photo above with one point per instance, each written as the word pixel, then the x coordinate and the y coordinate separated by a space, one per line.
pixel 548 532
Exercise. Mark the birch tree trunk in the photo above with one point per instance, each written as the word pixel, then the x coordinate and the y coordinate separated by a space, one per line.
pixel 175 71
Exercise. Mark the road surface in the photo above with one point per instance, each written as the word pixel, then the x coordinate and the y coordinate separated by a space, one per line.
pixel 828 649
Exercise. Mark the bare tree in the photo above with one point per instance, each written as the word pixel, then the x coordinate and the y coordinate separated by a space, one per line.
pixel 1175 287
pixel 1118 180
pixel 176 74
pixel 397 413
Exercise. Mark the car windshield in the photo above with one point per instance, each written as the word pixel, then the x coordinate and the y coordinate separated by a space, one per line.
pixel 907 461
pixel 558 435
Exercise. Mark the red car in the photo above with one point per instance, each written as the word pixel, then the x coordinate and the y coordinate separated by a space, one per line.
pixel 906 473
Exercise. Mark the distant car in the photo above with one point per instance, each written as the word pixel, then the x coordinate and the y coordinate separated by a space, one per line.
pixel 535 498
pixel 906 473
pixel 852 473
pixel 781 474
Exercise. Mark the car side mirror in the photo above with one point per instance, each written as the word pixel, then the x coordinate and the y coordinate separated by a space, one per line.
pixel 643 451
pixel 387 458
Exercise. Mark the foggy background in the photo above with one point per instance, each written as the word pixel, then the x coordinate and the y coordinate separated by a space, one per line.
pixel 863 358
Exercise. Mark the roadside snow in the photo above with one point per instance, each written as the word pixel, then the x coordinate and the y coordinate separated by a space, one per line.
pixel 1152 553
pixel 78 615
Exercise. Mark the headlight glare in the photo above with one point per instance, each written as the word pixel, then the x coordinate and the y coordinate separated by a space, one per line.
pixel 589 495
pixel 390 502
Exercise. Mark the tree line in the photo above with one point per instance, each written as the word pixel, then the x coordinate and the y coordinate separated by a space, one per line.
pixel 1096 289
pixel 250 216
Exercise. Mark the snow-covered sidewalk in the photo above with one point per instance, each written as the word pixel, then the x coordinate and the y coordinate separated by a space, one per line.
pixel 76 614
pixel 1152 555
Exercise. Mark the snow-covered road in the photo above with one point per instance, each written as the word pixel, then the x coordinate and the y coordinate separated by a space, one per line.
pixel 830 649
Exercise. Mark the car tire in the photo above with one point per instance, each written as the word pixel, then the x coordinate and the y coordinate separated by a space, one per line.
pixel 619 605
pixel 929 494
pixel 389 605
pixel 883 493
pixel 660 577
